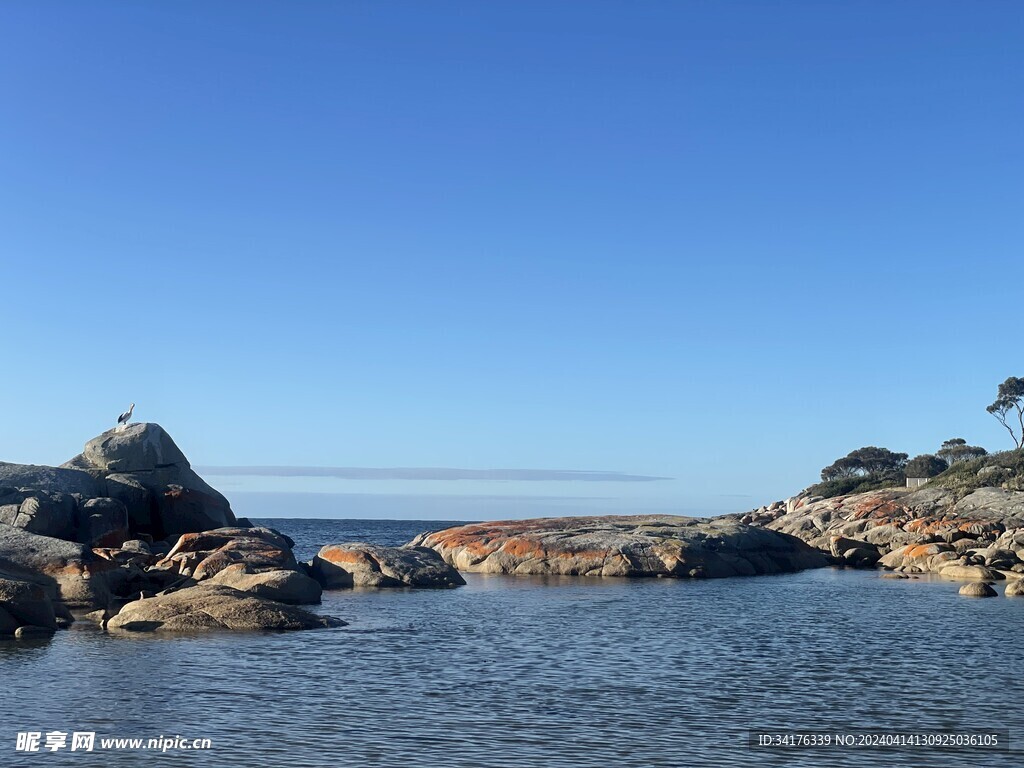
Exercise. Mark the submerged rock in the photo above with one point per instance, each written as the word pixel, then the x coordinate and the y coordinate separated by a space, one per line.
pixel 978 589
pixel 214 607
pixel 642 545
pixel 339 566
pixel 33 631
pixel 1015 588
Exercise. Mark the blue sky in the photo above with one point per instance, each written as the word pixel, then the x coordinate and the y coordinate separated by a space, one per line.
pixel 717 242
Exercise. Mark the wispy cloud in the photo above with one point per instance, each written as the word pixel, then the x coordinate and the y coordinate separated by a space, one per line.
pixel 430 473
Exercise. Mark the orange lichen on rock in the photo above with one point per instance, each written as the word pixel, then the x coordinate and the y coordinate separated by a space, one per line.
pixel 523 547
pixel 344 556
pixel 924 550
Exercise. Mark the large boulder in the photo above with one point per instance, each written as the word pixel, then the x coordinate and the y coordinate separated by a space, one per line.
pixel 622 545
pixel 23 603
pixel 281 585
pixel 135 448
pixel 969 573
pixel 70 570
pixel 978 589
pixel 340 566
pixel 214 607
pixel 141 466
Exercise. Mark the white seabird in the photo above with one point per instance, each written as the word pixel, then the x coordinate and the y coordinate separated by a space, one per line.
pixel 122 420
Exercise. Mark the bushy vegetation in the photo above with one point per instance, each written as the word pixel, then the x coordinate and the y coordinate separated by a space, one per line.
pixel 955 466
pixel 998 470
pixel 865 469
pixel 844 486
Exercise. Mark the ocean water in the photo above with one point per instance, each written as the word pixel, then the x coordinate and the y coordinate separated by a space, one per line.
pixel 517 672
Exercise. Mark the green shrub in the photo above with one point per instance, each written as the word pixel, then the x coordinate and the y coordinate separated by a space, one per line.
pixel 1000 470
pixel 844 486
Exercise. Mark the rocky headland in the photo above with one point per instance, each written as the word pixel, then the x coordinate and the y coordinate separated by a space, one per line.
pixel 126 534
pixel 978 536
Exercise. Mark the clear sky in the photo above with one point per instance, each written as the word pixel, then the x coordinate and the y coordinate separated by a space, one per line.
pixel 717 242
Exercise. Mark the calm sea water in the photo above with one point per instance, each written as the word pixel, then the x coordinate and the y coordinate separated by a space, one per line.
pixel 531 671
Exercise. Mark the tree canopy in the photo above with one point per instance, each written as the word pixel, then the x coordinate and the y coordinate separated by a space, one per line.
pixel 925 465
pixel 956 449
pixel 869 460
pixel 1009 408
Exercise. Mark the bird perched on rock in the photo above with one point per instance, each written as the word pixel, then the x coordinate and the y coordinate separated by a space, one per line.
pixel 122 420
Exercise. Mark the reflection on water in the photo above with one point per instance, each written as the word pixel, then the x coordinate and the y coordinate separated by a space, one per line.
pixel 541 671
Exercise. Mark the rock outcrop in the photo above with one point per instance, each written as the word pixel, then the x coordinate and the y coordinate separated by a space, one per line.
pixel 979 536
pixel 213 607
pixel 63 527
pixel 70 571
pixel 649 545
pixel 143 468
pixel 129 529
pixel 340 566
pixel 24 604
pixel 52 479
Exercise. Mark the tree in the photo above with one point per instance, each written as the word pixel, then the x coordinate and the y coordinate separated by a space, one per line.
pixel 956 449
pixel 925 465
pixel 878 461
pixel 1009 407
pixel 842 468
pixel 868 461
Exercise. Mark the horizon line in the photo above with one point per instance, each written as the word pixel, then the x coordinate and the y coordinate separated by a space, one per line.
pixel 429 473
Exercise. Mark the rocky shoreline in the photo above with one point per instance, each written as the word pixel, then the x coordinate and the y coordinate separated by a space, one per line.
pixel 127 535
pixel 978 537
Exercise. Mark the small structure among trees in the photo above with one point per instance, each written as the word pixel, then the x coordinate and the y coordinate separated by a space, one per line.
pixel 920 469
